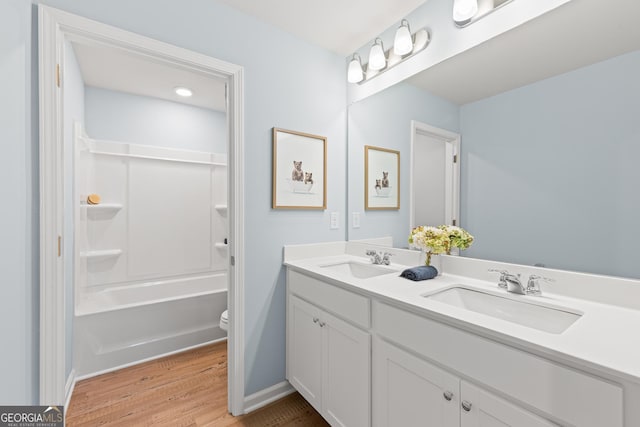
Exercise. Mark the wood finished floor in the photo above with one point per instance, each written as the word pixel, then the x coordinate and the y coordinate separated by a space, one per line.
pixel 183 390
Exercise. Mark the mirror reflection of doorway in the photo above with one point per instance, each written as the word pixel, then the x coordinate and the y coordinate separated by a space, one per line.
pixel 434 177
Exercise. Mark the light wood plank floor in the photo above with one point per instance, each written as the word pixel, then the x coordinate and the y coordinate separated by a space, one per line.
pixel 186 389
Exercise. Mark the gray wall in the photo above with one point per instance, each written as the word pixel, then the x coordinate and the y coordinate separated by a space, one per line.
pixel 288 83
pixel 550 171
pixel 123 117
pixel 384 120
pixel 19 208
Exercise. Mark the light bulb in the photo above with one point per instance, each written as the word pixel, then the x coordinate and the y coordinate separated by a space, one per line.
pixel 354 73
pixel 377 60
pixel 183 91
pixel 464 10
pixel 403 42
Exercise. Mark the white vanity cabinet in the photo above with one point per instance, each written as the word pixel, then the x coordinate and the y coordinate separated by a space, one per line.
pixel 413 392
pixel 328 358
pixel 363 361
pixel 480 408
pixel 560 393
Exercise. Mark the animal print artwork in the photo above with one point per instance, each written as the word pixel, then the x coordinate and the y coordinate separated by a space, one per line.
pixel 308 178
pixel 378 186
pixel 297 174
pixel 385 179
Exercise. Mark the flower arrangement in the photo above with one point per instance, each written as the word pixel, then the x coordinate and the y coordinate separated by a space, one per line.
pixel 439 240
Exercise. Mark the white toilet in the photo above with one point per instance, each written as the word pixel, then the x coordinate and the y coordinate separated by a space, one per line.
pixel 224 320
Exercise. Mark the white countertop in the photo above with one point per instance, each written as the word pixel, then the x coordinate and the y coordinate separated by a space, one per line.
pixel 605 340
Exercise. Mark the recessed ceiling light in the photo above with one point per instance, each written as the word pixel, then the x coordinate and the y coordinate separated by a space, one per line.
pixel 183 91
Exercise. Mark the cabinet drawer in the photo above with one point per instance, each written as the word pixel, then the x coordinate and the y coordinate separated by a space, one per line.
pixel 574 397
pixel 349 306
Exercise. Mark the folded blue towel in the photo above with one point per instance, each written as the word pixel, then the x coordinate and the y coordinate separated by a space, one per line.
pixel 424 272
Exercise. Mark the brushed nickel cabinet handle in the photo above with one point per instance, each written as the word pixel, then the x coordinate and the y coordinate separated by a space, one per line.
pixel 448 396
pixel 466 405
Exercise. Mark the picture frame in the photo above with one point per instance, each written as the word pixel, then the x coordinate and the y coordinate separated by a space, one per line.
pixel 299 170
pixel 381 178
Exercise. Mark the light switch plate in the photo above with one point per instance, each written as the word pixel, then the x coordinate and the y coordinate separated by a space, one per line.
pixel 355 219
pixel 334 221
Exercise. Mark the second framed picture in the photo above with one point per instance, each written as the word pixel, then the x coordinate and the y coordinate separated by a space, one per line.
pixel 381 178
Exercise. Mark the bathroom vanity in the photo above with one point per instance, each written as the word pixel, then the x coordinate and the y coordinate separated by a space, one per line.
pixel 366 347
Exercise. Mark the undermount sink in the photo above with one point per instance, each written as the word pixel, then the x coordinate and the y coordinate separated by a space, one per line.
pixel 358 270
pixel 536 316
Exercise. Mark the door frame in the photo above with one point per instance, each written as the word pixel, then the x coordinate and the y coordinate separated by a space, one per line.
pixel 452 170
pixel 56 26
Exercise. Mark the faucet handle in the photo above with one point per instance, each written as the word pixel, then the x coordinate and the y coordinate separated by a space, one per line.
pixel 533 287
pixel 385 258
pixel 503 274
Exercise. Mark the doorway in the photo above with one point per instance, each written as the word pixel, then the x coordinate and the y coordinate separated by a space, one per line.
pixel 434 176
pixel 58 30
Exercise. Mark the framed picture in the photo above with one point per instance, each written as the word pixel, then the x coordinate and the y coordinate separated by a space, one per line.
pixel 381 178
pixel 299 170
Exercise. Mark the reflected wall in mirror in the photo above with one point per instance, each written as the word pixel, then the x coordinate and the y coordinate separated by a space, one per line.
pixel 384 120
pixel 548 170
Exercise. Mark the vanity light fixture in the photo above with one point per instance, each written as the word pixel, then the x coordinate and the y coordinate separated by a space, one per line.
pixel 377 58
pixel 403 41
pixel 183 91
pixel 355 73
pixel 464 10
pixel 405 45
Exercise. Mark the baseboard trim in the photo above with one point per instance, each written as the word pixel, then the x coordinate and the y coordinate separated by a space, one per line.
pixel 69 386
pixel 264 397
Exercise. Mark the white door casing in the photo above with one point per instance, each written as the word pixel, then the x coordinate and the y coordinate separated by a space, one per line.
pixel 55 27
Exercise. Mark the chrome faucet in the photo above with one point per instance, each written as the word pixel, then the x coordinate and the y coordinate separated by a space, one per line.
pixel 385 258
pixel 533 287
pixel 379 257
pixel 514 285
pixel 501 281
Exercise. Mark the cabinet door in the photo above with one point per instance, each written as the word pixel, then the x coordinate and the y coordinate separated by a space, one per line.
pixel 488 410
pixel 409 391
pixel 347 373
pixel 305 351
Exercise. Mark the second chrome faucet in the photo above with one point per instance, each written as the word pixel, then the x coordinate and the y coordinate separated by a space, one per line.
pixel 379 257
pixel 512 283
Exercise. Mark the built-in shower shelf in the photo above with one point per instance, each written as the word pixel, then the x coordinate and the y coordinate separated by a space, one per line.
pixel 221 245
pixel 102 211
pixel 103 207
pixel 221 208
pixel 105 253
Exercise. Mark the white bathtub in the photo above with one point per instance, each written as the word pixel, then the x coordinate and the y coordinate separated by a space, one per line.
pixel 120 326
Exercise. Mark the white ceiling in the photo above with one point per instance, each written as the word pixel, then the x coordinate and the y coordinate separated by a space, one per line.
pixel 341 26
pixel 116 69
pixel 578 33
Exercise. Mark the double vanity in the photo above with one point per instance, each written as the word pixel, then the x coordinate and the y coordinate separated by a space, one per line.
pixel 367 347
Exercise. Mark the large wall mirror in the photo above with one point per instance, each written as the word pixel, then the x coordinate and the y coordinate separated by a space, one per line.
pixel 549 143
